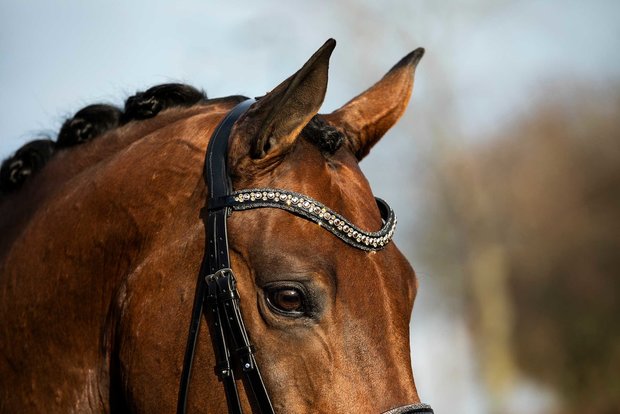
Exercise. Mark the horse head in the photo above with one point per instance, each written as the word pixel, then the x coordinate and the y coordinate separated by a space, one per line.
pixel 99 270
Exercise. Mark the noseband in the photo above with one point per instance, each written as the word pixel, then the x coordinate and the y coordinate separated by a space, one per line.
pixel 216 292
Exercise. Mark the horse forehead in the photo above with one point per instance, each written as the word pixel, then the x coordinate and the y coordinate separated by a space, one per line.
pixel 333 179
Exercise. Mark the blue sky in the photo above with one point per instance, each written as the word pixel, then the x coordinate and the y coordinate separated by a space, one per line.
pixel 488 56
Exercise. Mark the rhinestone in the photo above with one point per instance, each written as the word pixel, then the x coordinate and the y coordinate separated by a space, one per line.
pixel 359 239
pixel 331 222
pixel 295 200
pixel 346 228
pixel 327 216
pixel 321 215
pixel 355 234
pixel 288 202
pixel 282 197
pixel 337 222
pixel 306 205
pixel 246 196
pixel 270 195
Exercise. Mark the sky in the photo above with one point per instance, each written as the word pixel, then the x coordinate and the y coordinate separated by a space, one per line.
pixel 486 62
pixel 58 56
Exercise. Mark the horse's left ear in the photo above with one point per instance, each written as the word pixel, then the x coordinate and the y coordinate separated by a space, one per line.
pixel 270 127
pixel 368 116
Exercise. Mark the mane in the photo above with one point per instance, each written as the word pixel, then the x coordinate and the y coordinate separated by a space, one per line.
pixel 96 120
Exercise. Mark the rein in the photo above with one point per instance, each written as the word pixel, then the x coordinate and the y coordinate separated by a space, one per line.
pixel 216 293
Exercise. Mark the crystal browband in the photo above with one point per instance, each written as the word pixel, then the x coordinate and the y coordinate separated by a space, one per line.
pixel 315 211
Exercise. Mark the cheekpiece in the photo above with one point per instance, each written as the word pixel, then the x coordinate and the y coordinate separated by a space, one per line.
pixel 312 210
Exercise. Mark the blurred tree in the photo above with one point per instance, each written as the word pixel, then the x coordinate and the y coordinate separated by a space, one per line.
pixel 533 220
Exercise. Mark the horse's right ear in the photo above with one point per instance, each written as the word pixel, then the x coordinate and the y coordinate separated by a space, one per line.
pixel 271 126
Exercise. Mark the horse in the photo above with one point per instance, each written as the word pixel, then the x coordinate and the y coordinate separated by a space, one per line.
pixel 102 241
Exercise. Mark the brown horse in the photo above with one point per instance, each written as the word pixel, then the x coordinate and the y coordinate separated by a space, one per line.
pixel 100 250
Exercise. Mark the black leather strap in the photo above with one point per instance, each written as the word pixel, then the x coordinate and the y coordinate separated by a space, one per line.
pixel 223 367
pixel 216 288
pixel 237 336
pixel 215 171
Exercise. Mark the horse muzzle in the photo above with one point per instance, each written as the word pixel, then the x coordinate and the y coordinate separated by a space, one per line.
pixel 419 408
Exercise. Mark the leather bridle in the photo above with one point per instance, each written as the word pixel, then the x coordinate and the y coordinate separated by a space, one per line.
pixel 216 293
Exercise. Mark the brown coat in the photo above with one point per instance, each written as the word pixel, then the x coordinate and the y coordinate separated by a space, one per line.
pixel 100 251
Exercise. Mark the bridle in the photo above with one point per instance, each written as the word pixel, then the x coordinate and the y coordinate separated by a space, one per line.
pixel 216 293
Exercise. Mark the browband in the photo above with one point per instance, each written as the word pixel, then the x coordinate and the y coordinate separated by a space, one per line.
pixel 310 209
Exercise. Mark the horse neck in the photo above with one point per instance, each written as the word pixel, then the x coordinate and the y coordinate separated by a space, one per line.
pixel 94 211
pixel 72 167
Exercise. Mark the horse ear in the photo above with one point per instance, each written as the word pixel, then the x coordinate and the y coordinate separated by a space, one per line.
pixel 272 124
pixel 368 116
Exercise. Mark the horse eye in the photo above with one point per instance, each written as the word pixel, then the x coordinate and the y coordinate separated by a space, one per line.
pixel 286 300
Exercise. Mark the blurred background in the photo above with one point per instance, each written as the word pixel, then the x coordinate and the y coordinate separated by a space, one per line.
pixel 504 172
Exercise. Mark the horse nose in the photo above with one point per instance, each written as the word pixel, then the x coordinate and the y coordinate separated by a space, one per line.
pixel 419 408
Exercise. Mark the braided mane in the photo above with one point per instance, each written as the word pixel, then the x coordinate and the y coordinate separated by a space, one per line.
pixel 95 120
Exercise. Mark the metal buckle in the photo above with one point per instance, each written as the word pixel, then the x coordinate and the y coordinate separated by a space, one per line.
pixel 218 275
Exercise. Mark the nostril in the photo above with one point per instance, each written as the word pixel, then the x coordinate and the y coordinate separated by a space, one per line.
pixel 418 408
